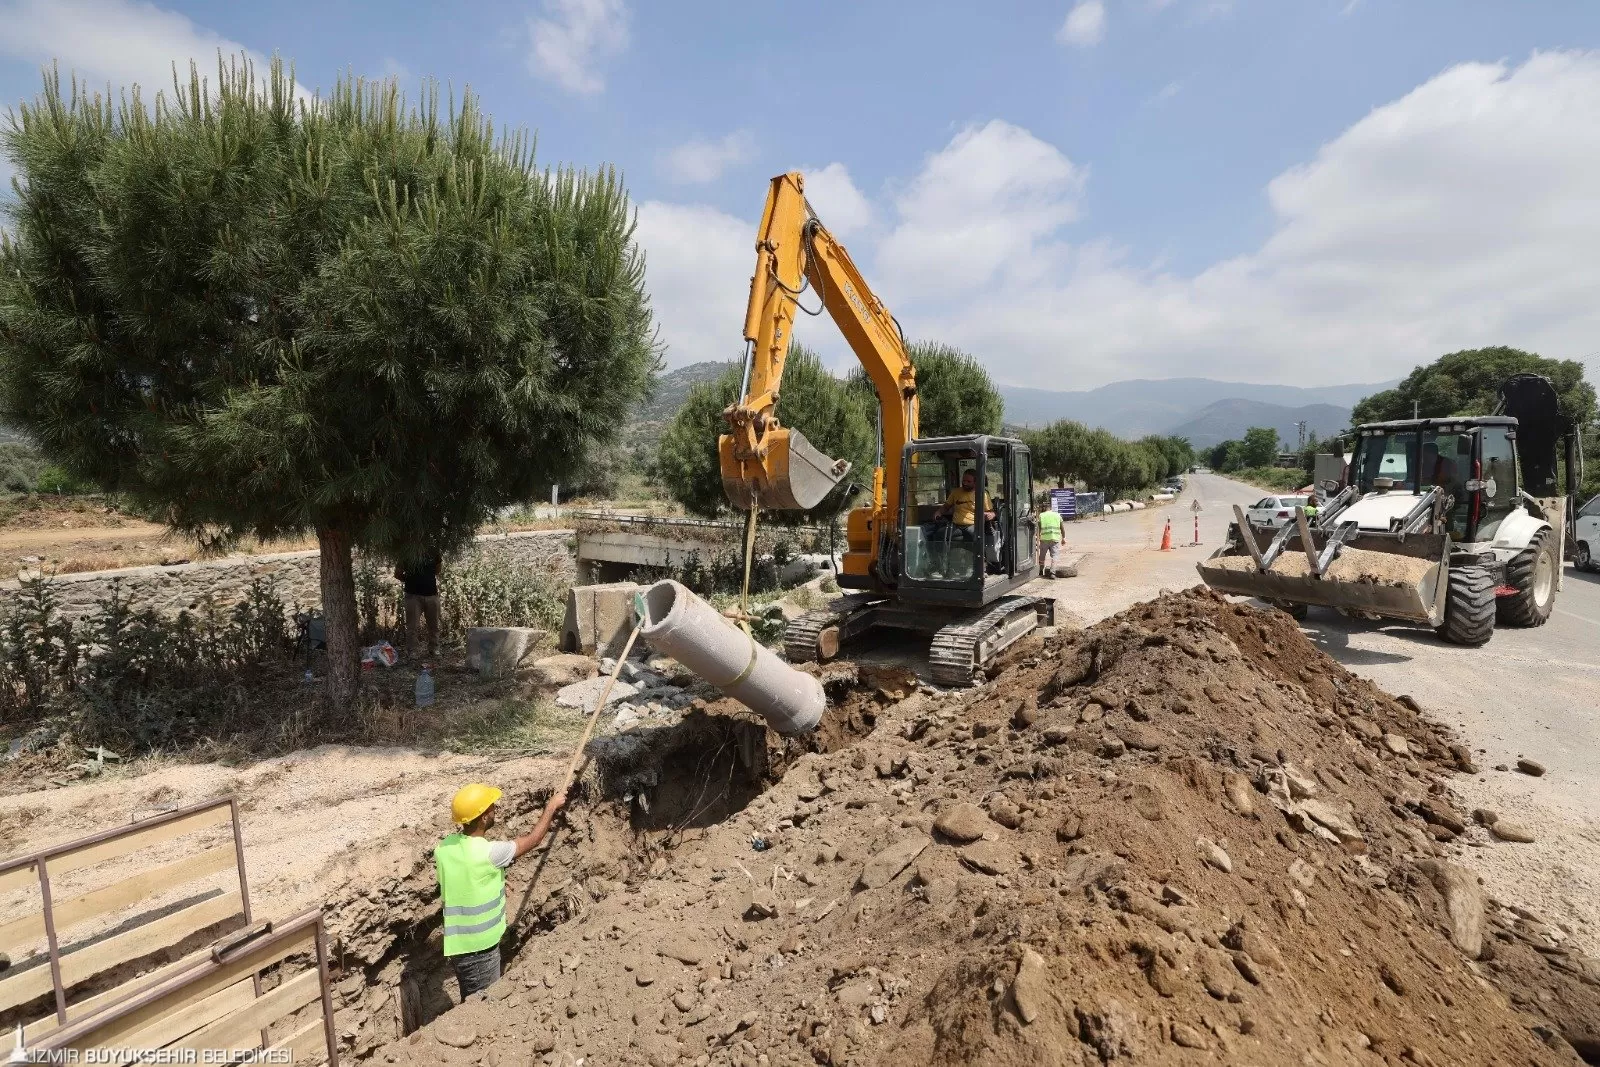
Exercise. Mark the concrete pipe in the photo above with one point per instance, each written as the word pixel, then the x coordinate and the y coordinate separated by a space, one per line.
pixel 689 630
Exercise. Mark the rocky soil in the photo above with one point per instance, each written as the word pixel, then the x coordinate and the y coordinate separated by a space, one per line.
pixel 1181 835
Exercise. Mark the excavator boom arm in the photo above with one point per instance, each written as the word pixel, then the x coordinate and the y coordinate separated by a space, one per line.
pixel 763 461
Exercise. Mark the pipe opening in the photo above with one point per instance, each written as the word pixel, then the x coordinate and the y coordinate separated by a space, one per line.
pixel 659 600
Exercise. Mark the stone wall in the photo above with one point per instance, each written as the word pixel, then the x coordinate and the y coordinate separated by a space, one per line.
pixel 170 590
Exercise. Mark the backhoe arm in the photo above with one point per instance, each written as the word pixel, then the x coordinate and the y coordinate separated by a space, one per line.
pixel 769 464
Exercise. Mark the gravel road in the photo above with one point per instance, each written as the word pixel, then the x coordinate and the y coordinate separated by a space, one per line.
pixel 1531 694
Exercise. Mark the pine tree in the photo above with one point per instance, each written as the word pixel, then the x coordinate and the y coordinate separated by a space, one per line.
pixel 259 314
pixel 834 417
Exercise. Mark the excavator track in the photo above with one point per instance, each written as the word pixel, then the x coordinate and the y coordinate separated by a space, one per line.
pixel 962 649
pixel 800 638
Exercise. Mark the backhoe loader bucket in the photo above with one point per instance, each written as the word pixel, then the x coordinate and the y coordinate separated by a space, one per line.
pixel 793 476
pixel 1368 573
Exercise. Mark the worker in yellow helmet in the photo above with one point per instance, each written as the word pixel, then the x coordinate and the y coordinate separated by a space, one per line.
pixel 472 884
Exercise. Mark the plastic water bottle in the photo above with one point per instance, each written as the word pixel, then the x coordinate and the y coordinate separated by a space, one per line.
pixel 424 688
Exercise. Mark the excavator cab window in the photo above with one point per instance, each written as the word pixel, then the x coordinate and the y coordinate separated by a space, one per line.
pixel 948 505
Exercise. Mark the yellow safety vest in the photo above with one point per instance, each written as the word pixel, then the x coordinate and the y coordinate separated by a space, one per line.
pixel 1049 526
pixel 473 891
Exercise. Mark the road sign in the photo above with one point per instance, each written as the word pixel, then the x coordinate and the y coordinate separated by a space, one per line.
pixel 1195 507
pixel 1064 502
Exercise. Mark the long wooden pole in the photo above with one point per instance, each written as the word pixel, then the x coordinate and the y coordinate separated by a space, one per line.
pixel 577 755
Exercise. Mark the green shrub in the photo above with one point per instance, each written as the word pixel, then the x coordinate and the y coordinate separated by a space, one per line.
pixel 489 589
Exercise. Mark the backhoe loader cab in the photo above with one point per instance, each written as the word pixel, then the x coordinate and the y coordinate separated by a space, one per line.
pixel 1450 522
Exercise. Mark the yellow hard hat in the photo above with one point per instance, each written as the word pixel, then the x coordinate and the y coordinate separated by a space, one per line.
pixel 472 801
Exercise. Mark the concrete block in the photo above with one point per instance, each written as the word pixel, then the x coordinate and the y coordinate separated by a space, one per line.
pixel 599 618
pixel 497 651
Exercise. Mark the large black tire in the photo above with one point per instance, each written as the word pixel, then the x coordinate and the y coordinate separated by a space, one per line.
pixel 1296 611
pixel 1582 558
pixel 1532 573
pixel 1469 607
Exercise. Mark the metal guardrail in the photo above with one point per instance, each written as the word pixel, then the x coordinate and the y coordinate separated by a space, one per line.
pixel 200 1008
pixel 675 522
pixel 69 967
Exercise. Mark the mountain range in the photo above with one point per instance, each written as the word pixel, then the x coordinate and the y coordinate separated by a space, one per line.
pixel 1204 410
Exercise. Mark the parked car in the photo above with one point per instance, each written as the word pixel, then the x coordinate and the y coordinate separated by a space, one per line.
pixel 1586 546
pixel 1274 511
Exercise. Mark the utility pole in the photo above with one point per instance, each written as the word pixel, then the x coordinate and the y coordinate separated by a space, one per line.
pixel 1301 427
pixel 1416 409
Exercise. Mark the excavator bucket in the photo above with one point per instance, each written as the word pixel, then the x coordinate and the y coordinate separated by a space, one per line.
pixel 1369 574
pixel 793 476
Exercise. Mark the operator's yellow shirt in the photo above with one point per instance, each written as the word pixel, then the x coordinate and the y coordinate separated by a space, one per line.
pixel 960 503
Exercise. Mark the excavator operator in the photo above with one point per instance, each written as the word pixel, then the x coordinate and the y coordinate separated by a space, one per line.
pixel 956 519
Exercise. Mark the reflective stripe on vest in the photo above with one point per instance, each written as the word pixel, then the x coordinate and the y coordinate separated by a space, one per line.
pixel 474 894
pixel 1049 526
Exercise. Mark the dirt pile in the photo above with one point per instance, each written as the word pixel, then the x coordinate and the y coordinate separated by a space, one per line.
pixel 1182 833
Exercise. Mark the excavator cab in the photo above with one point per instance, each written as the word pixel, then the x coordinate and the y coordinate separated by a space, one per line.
pixel 966 524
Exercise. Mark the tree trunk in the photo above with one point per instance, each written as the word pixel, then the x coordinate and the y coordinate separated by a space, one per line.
pixel 339 618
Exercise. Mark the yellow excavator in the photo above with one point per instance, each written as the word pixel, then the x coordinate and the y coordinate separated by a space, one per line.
pixel 948 531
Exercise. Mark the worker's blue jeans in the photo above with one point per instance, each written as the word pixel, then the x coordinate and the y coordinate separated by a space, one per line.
pixel 477 971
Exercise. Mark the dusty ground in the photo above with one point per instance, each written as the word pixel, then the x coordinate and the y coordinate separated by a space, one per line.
pixel 1184 836
pixel 300 813
pixel 73 537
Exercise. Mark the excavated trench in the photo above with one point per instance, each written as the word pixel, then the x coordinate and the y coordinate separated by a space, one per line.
pixel 640 795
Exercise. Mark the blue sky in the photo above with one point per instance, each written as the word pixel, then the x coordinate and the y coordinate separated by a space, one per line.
pixel 1300 191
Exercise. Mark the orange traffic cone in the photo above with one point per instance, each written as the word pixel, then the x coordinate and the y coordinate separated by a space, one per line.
pixel 1166 537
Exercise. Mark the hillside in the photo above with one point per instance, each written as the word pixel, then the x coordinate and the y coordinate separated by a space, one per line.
pixel 1140 406
pixel 1203 409
pixel 672 389
pixel 1227 420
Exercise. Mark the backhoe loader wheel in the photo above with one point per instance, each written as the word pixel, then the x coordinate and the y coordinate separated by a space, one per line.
pixel 1532 573
pixel 1469 607
pixel 1296 611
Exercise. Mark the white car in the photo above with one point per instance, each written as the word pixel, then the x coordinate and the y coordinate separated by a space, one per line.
pixel 1586 550
pixel 1274 511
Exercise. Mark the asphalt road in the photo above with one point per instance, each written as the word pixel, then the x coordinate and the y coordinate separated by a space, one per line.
pixel 1531 693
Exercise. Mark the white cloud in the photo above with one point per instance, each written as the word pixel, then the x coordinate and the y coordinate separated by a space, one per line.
pixel 836 200
pixel 113 41
pixel 697 266
pixel 977 209
pixel 1166 92
pixel 572 38
pixel 1459 215
pixel 700 160
pixel 1085 25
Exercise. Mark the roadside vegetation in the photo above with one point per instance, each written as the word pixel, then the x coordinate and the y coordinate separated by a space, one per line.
pixel 233 681
pixel 1071 453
